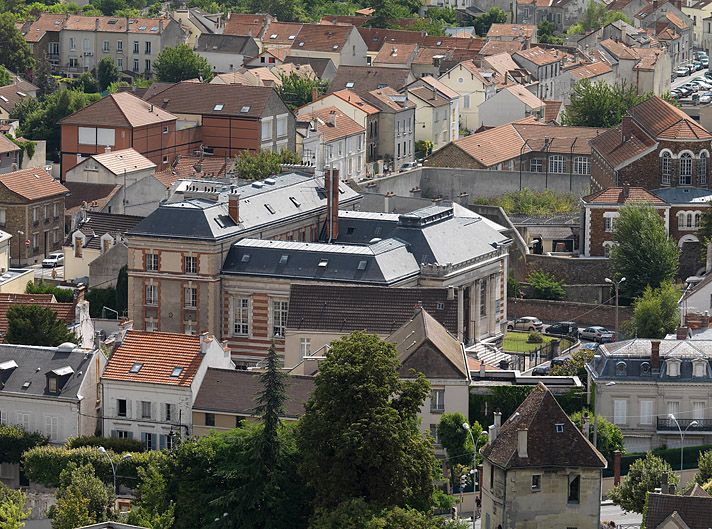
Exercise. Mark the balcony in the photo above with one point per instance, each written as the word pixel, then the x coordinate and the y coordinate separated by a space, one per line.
pixel 670 426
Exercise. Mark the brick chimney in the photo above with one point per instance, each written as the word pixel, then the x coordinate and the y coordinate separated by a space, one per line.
pixel 522 443
pixel 233 207
pixel 626 128
pixel 617 467
pixel 626 191
pixel 331 186
pixel 655 356
pixel 681 333
pixel 332 118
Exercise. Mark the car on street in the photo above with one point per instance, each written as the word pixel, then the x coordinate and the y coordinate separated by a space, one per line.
pixel 692 87
pixel 527 323
pixel 684 91
pixel 598 334
pixel 408 166
pixel 682 71
pixel 706 85
pixel 706 97
pixel 705 62
pixel 564 328
pixel 696 65
pixel 53 260
pixel 540 371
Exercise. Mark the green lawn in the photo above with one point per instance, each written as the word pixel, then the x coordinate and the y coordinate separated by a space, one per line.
pixel 516 342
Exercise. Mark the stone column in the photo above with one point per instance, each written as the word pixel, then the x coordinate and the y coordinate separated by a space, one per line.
pixel 491 297
pixel 460 312
pixel 472 323
pixel 476 313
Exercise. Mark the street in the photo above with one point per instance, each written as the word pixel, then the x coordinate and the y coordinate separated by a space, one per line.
pixel 46 273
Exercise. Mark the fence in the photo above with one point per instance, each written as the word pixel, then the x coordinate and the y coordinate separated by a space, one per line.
pixel 526 355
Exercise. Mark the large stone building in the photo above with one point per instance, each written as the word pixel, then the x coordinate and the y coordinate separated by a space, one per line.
pixel 539 471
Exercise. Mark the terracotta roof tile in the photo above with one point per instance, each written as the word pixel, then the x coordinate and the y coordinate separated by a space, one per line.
pixel 342 127
pixel 32 184
pixel 117 110
pixel 46 23
pixel 525 96
pixel 396 54
pixel 6 145
pixel 617 195
pixel 676 21
pixel 615 151
pixel 390 98
pixel 367 78
pixel 63 311
pixel 124 160
pixel 539 56
pixel 526 31
pixel 344 20
pixel 201 98
pixel 493 47
pixel 428 55
pixel 185 167
pixel 279 33
pixel 376 38
pixel 552 110
pixel 246 24
pixel 589 71
pixel 665 121
pixel 472 69
pixel 428 96
pixel 12 94
pixel 159 353
pixel 619 50
pixel 648 57
pixel 319 37
pixel 355 100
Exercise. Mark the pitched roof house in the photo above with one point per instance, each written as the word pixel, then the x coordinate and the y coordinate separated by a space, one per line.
pixel 667 510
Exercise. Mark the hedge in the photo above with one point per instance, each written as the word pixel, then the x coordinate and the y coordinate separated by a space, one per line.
pixel 14 440
pixel 671 455
pixel 43 464
pixel 110 443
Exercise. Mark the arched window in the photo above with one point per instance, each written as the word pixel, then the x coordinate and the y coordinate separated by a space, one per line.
pixel 689 220
pixel 685 169
pixel 703 168
pixel 665 168
pixel 697 220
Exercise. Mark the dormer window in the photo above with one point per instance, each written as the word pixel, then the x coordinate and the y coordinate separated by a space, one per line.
pixel 176 372
pixel 621 369
pixel 645 369
pixel 559 428
pixel 699 368
pixel 673 368
pixel 52 386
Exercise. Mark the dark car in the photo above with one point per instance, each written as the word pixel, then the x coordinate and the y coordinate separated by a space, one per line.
pixel 564 328
pixel 540 371
pixel 559 361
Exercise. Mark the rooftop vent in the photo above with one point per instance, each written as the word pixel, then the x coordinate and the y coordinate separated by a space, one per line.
pixel 257 185
pixel 26 384
pixel 361 265
pixel 283 259
pixel 270 181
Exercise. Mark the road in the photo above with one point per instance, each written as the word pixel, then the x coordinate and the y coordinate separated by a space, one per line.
pixel 46 273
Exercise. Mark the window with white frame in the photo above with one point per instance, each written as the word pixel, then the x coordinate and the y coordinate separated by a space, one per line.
pixel 279 317
pixel 673 408
pixel 699 368
pixel 536 165
pixel 52 428
pixel 582 165
pixel 437 401
pixel 151 294
pixel 152 262
pixel 698 410
pixel 646 411
pixel 23 419
pixel 685 169
pixel 191 264
pixel 556 163
pixel 266 129
pixel 305 346
pixel 191 297
pixel 620 411
pixel 281 126
pixel 673 367
pixel 241 316
pixel 703 167
pixel 145 409
pixel 665 168
pixel 105 46
pixel 609 221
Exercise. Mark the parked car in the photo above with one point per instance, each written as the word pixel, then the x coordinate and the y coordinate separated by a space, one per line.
pixel 53 260
pixel 564 328
pixel 682 71
pixel 696 65
pixel 540 371
pixel 598 334
pixel 527 323
pixel 705 62
pixel 408 166
pixel 706 85
pixel 706 97
pixel 692 86
pixel 684 91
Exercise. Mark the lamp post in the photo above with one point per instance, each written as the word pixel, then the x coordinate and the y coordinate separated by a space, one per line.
pixel 682 440
pixel 466 426
pixel 616 285
pixel 19 247
pixel 125 457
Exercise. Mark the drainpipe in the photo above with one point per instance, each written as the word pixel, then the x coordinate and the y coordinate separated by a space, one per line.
pixel 571 164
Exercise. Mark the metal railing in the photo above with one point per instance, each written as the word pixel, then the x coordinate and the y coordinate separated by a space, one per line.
pixel 669 425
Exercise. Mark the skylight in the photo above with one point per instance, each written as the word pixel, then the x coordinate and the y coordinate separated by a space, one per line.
pixel 283 259
pixel 559 428
pixel 295 201
pixel 270 208
pixel 136 367
pixel 142 28
pixel 245 109
pixel 301 44
pixel 335 46
pixel 26 384
pixel 361 265
pixel 154 28
pixel 218 107
pixel 5 99
pixel 273 36
pixel 350 84
pixel 10 364
pixel 176 372
pixel 323 263
pixel 292 37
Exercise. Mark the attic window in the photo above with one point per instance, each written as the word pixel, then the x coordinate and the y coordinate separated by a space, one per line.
pixel 113 21
pixel 176 372
pixel 292 37
pixel 270 208
pixel 154 28
pixel 440 306
pixel 295 201
pixel 273 36
pixel 361 265
pixel 350 84
pixel 301 44
pixel 283 259
pixel 26 384
pixel 323 263
pixel 559 428
pixel 245 109
pixel 142 28
pixel 218 107
pixel 245 258
pixel 136 367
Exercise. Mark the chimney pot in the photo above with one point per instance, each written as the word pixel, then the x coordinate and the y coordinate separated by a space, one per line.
pixel 233 207
pixel 522 443
pixel 655 355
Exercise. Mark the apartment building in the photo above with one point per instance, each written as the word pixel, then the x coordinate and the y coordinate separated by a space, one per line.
pixel 437 111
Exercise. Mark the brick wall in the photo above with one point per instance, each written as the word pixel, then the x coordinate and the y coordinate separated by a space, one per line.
pixel 571 270
pixel 452 156
pixel 582 313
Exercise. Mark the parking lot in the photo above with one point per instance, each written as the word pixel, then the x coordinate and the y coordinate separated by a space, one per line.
pixel 694 81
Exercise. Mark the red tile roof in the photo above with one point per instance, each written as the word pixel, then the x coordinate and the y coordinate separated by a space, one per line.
pixel 615 151
pixel 493 47
pixel 589 71
pixel 619 50
pixel 552 110
pixel 279 33
pixel 191 167
pixel 665 121
pixel 355 100
pixel 32 184
pixel 47 22
pixel 396 54
pixel 64 311
pixel 6 145
pixel 159 353
pixel 538 56
pixel 320 37
pixel 617 195
pixel 246 24
pixel 342 127
pixel 122 109
pixel 512 30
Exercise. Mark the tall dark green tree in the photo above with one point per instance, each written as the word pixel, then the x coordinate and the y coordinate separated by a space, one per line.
pixel 483 22
pixel 122 290
pixel 5 78
pixel 359 437
pixel 36 325
pixel 270 407
pixel 644 253
pixel 15 53
pixel 655 313
pixel 106 73
pixel 181 63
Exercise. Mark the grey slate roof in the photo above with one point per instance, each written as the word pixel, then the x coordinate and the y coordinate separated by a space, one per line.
pixel 290 196
pixel 683 195
pixel 34 363
pixel 385 262
pixel 222 43
pixel 318 64
pixel 368 78
pixel 97 224
pixel 235 391
pixel 694 511
pixel 381 310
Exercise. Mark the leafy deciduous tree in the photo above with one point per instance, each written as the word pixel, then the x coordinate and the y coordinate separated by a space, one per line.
pixel 82 498
pixel 297 90
pixel 106 73
pixel 601 104
pixel 655 313
pixel 644 476
pixel 263 164
pixel 13 512
pixel 153 509
pixel 15 53
pixel 43 78
pixel 495 15
pixel 181 63
pixel 545 286
pixel 14 441
pixel 545 33
pixel 359 436
pixel 5 78
pixel 610 436
pixel 36 325
pixel 644 254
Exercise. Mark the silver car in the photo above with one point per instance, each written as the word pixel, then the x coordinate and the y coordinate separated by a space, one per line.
pixel 527 323
pixel 598 334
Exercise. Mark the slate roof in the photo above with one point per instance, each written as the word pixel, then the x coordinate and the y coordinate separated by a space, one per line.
pixel 368 78
pixel 63 311
pixel 121 109
pixel 694 511
pixel 380 310
pixel 422 328
pixel 159 353
pixel 207 219
pixel 546 448
pixel 32 184
pixel 683 195
pixel 385 262
pixel 236 391
pixel 214 43
pixel 97 224
pixel 201 98
pixel 34 363
pixel 616 195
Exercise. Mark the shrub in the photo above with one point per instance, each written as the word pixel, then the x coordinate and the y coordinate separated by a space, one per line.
pixel 535 337
pixel 14 440
pixel 63 295
pixel 110 443
pixel 546 286
pixel 534 203
pixel 44 464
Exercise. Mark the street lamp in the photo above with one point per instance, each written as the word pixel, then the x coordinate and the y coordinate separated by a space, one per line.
pixel 466 426
pixel 616 285
pixel 682 439
pixel 19 247
pixel 125 457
